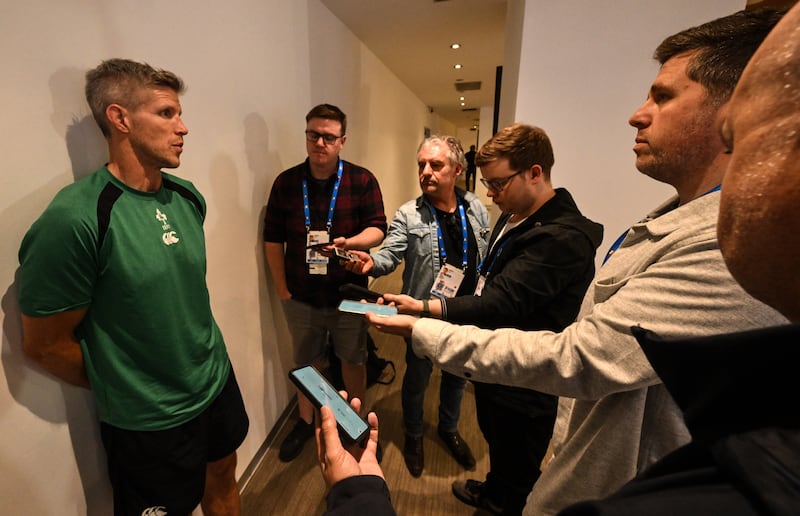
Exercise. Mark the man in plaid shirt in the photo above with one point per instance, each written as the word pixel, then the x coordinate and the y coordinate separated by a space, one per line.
pixel 324 200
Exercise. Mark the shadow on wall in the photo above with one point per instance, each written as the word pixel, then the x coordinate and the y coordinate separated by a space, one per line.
pixel 46 397
pixel 86 147
pixel 38 391
pixel 265 165
pixel 72 120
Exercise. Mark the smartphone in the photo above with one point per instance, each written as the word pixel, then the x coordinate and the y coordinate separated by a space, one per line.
pixel 352 427
pixel 358 307
pixel 319 246
pixel 344 255
pixel 357 292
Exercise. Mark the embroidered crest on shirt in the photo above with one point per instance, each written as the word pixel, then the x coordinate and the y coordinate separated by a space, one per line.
pixel 155 511
pixel 168 237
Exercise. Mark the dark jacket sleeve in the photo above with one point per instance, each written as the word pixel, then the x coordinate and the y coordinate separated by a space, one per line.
pixel 360 495
pixel 554 265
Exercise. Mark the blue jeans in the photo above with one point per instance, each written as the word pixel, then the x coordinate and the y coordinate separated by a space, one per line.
pixel 415 381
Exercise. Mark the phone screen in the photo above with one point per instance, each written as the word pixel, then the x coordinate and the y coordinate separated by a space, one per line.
pixel 320 392
pixel 358 307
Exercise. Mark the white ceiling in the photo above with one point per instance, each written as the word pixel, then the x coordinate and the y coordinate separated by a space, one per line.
pixel 412 38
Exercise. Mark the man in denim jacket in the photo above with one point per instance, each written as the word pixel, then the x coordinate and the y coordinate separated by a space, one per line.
pixel 431 231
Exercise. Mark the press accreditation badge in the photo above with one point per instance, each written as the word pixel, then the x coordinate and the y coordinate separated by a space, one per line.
pixel 479 286
pixel 447 282
pixel 317 263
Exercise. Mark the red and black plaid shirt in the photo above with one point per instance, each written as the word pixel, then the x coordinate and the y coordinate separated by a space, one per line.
pixel 358 206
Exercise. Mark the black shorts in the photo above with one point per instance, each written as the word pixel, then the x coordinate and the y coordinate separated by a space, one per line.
pixel 164 471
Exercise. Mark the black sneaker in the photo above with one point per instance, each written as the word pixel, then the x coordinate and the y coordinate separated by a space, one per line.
pixel 414 455
pixel 294 442
pixel 459 448
pixel 471 493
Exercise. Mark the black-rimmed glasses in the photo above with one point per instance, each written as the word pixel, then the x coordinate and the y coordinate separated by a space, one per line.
pixel 497 185
pixel 314 136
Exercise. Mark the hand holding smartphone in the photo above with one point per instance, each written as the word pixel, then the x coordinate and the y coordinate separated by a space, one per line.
pixel 319 392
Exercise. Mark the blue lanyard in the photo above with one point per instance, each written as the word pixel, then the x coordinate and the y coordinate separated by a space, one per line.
pixel 495 256
pixel 615 246
pixel 464 235
pixel 306 211
pixel 618 241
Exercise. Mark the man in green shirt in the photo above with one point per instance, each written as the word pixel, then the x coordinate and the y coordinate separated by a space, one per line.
pixel 114 298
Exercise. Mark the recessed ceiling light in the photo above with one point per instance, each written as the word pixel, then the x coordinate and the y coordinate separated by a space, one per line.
pixel 455 45
pixel 463 104
pixel 457 67
pixel 460 98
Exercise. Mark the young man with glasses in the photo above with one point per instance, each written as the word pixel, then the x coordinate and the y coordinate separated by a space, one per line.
pixel 539 263
pixel 324 200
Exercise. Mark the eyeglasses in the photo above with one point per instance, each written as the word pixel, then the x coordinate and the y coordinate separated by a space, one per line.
pixel 497 185
pixel 314 136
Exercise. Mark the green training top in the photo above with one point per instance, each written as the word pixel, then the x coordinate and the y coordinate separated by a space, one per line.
pixel 154 355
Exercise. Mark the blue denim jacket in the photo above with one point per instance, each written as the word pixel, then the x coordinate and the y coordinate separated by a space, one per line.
pixel 412 235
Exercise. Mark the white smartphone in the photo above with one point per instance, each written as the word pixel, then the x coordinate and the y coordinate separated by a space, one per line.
pixel 352 427
pixel 358 307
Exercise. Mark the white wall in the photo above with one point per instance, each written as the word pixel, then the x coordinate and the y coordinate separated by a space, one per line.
pixel 254 68
pixel 584 67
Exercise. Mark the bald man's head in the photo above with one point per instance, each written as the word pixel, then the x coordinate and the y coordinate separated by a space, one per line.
pixel 759 223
